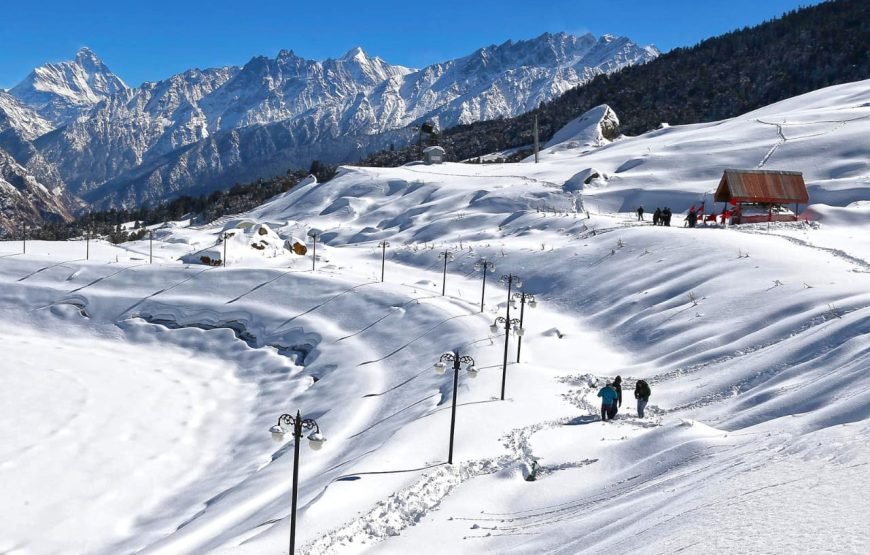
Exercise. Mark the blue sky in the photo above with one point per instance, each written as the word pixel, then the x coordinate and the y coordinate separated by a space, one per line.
pixel 152 39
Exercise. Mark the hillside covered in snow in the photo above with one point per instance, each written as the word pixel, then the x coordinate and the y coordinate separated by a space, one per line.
pixel 140 395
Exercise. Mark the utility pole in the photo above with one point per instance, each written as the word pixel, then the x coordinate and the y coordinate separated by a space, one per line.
pixel 87 244
pixel 313 233
pixel 536 139
pixel 23 237
pixel 383 245
pixel 225 250
pixel 150 246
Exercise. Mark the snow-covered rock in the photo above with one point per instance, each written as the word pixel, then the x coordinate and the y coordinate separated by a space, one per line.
pixel 597 127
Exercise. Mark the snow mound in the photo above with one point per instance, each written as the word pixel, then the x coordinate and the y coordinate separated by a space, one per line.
pixel 595 128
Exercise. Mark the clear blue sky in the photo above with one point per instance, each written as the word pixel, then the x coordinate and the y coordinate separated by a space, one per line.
pixel 148 40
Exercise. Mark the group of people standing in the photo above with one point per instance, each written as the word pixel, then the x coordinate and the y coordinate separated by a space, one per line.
pixel 662 217
pixel 611 398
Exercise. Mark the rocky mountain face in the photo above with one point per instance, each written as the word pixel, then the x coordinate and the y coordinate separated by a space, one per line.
pixel 205 129
pixel 23 198
pixel 30 187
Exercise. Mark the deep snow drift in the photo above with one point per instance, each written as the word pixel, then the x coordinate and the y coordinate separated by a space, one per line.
pixel 138 397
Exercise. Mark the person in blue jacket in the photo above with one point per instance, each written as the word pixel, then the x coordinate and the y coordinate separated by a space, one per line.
pixel 608 397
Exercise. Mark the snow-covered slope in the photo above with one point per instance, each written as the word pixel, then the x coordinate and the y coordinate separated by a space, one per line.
pixel 61 91
pixel 754 341
pixel 819 133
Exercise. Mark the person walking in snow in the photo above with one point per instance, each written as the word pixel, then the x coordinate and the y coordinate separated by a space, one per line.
pixel 608 397
pixel 666 216
pixel 657 216
pixel 614 407
pixel 640 213
pixel 641 393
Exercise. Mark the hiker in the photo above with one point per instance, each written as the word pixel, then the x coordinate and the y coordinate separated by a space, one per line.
pixel 657 216
pixel 641 393
pixel 608 397
pixel 666 216
pixel 614 407
pixel 640 213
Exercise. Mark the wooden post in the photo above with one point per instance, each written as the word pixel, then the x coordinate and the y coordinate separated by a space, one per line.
pixel 536 139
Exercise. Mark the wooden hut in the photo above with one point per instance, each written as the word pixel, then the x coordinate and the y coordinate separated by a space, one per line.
pixel 762 195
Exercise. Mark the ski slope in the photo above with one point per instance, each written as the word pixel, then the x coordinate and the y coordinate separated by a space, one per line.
pixel 137 397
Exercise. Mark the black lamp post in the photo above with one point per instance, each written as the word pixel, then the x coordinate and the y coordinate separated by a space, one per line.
pixel 447 256
pixel 87 244
pixel 313 233
pixel 508 323
pixel 150 246
pixel 523 298
pixel 483 265
pixel 315 439
pixel 383 245
pixel 440 368
pixel 510 280
pixel 23 237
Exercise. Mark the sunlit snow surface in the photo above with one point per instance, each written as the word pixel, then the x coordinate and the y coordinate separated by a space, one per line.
pixel 136 398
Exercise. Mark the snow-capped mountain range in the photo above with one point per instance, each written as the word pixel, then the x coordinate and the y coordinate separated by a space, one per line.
pixel 203 129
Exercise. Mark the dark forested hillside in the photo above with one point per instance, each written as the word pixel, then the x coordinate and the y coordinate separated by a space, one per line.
pixel 721 77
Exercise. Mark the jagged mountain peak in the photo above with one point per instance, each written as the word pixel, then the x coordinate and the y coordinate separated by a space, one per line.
pixel 61 91
pixel 85 55
pixel 355 53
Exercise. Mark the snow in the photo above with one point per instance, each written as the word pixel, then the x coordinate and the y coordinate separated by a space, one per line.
pixel 137 398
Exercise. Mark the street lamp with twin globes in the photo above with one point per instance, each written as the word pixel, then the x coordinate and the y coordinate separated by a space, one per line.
pixel 440 369
pixel 294 425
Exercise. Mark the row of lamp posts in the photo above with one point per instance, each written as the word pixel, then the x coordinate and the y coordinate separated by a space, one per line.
pixel 88 234
pixel 297 424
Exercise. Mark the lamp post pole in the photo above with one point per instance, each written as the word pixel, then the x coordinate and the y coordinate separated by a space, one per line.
pixel 316 440
pixel 226 235
pixel 440 368
pixel 23 237
pixel 150 246
pixel 523 298
pixel 447 256
pixel 510 280
pixel 313 234
pixel 87 244
pixel 486 267
pixel 508 322
pixel 383 245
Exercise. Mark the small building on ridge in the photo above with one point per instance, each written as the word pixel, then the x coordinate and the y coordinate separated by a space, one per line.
pixel 433 155
pixel 762 195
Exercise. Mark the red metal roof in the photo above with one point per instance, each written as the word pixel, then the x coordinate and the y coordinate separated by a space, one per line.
pixel 764 186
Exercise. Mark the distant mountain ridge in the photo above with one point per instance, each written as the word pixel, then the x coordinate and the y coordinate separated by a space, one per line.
pixel 205 129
